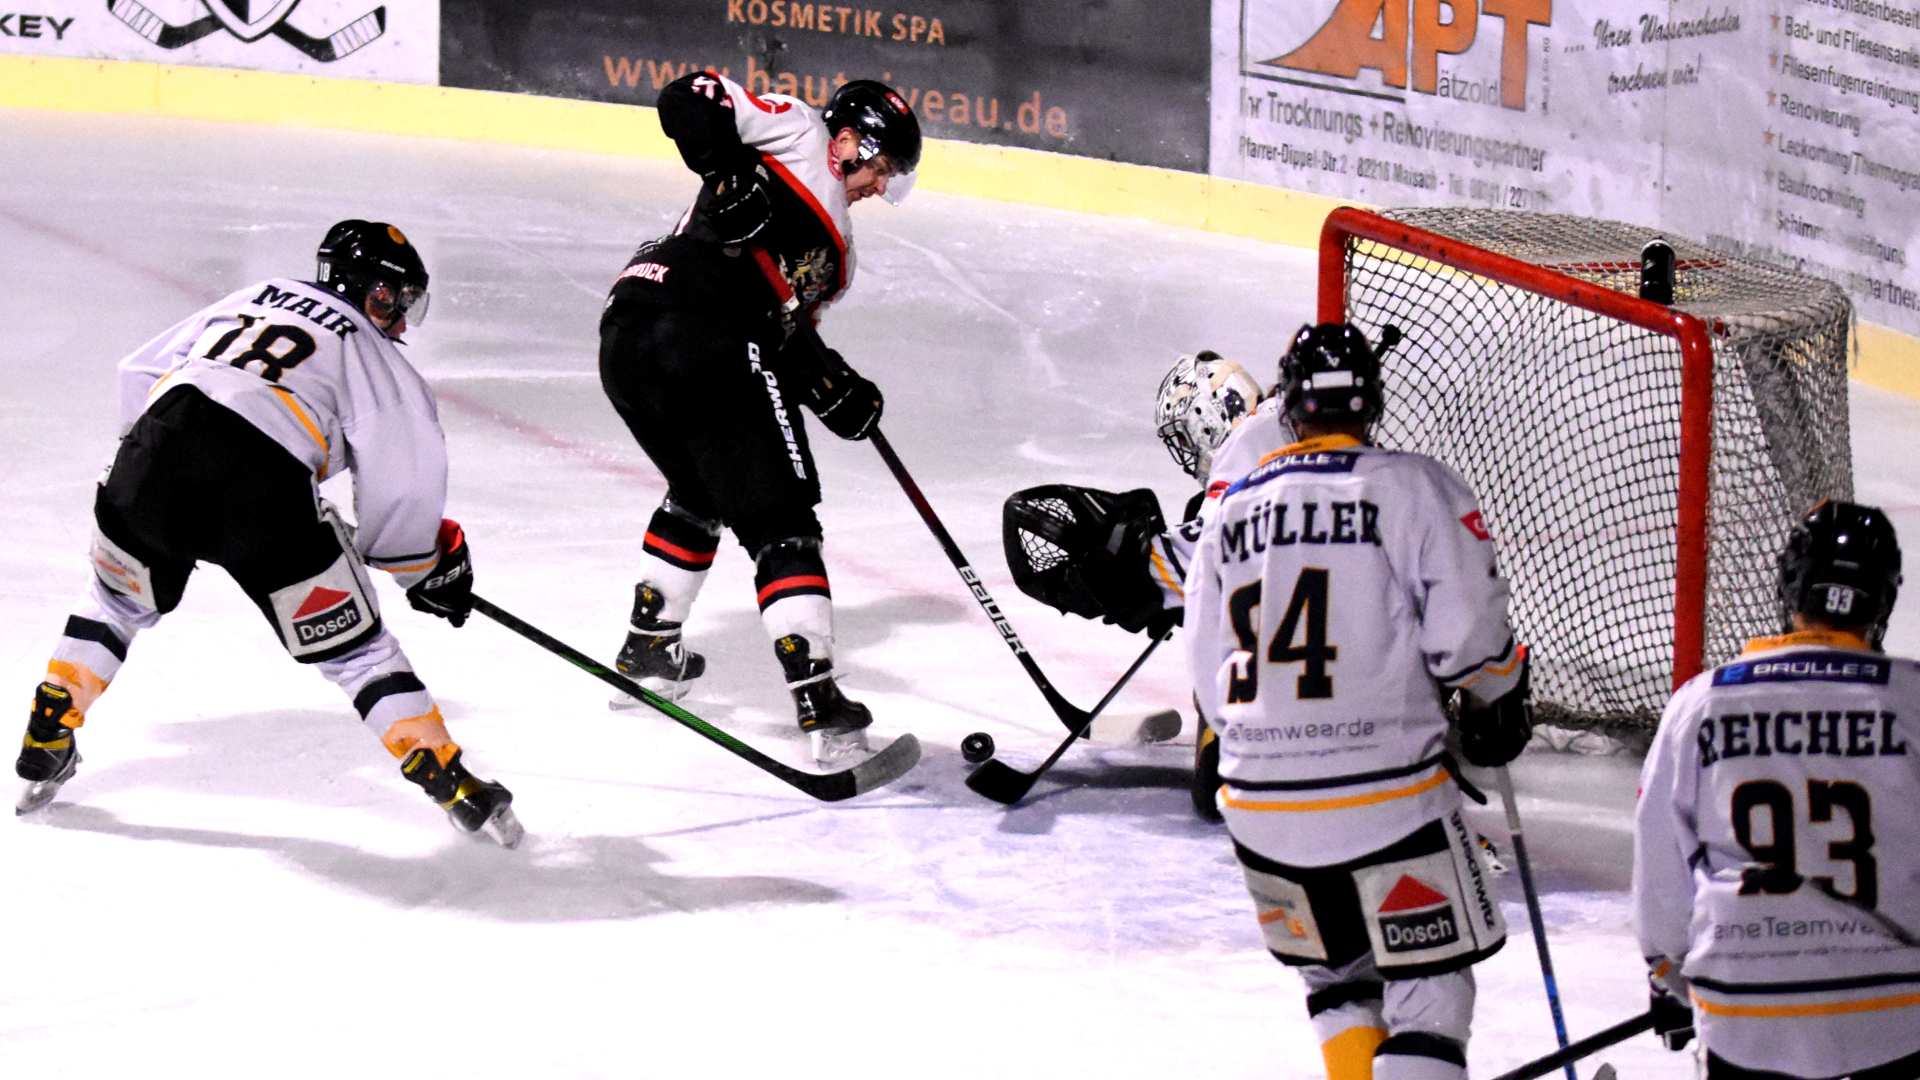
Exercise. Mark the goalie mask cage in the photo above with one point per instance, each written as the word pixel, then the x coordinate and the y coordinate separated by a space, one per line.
pixel 1639 465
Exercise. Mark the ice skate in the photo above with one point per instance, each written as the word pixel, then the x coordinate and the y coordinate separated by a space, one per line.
pixel 472 804
pixel 653 654
pixel 835 724
pixel 48 753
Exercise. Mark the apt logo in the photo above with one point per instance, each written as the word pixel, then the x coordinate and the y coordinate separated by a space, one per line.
pixel 1412 36
pixel 1417 916
pixel 251 20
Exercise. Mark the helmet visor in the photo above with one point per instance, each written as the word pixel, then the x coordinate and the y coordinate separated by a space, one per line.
pixel 410 302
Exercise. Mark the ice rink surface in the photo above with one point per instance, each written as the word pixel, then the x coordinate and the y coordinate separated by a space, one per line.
pixel 239 883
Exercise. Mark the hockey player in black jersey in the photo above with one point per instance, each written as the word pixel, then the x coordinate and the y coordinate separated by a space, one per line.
pixel 708 346
pixel 229 420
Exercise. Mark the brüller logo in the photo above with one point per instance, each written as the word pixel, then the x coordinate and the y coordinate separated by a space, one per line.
pixel 250 20
pixel 325 613
pixel 1411 42
pixel 1417 916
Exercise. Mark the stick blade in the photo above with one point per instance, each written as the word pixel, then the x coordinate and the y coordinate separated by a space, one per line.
pixel 1000 782
pixel 883 768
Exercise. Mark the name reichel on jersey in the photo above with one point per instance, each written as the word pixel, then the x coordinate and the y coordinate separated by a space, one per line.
pixel 317 377
pixel 1333 590
pixel 1776 853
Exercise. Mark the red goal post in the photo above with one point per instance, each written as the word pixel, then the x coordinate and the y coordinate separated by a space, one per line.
pixel 1529 357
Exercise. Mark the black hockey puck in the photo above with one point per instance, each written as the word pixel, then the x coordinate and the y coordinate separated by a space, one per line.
pixel 977 747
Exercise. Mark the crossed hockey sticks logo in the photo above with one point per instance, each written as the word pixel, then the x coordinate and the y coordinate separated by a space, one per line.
pixel 237 18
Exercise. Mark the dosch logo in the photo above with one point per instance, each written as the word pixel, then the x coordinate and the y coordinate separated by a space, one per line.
pixel 251 21
pixel 1413 35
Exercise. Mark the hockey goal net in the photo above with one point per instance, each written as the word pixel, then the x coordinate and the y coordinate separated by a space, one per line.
pixel 1639 465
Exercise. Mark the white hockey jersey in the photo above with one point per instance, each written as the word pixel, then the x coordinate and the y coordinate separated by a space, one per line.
pixel 317 377
pixel 1778 826
pixel 1333 589
pixel 1250 440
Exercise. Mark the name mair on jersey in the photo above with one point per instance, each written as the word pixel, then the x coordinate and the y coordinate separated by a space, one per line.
pixel 1417 916
pixel 324 615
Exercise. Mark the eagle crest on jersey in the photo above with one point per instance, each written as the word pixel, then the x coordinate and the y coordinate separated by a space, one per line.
pixel 1200 401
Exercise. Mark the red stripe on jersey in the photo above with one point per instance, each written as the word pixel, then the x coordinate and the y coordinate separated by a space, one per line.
pixel 818 210
pixel 666 547
pixel 781 287
pixel 792 584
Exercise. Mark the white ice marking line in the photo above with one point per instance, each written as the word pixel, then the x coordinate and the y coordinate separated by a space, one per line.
pixel 1032 452
pixel 1029 334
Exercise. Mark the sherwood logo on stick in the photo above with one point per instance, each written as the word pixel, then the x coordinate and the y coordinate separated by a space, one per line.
pixel 250 21
pixel 1416 916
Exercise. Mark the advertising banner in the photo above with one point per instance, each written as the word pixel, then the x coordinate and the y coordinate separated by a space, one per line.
pixel 398 41
pixel 1125 80
pixel 1785 130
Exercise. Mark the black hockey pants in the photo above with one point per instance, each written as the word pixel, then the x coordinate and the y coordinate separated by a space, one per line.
pixel 194 481
pixel 703 395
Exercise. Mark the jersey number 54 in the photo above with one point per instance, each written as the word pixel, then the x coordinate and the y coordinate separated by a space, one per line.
pixel 1309 605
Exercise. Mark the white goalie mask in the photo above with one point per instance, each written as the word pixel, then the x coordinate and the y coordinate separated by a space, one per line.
pixel 1200 401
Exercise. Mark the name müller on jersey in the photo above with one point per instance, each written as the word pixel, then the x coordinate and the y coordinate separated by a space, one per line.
pixel 1331 589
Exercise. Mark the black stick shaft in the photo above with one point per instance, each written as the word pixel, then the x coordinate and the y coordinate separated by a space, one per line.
pixel 1520 858
pixel 1620 1032
pixel 1069 715
pixel 828 787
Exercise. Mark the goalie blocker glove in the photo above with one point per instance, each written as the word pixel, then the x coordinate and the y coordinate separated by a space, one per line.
pixel 1085 551
pixel 447 590
pixel 1494 734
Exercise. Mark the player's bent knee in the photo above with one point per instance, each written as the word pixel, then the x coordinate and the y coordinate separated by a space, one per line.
pixel 1420 1055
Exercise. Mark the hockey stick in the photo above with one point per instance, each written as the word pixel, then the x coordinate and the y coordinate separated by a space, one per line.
pixel 341 42
pixel 877 771
pixel 1505 779
pixel 1620 1032
pixel 1007 785
pixel 158 30
pixel 1074 718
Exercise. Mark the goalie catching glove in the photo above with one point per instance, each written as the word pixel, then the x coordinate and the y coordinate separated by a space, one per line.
pixel 447 590
pixel 1085 551
pixel 849 405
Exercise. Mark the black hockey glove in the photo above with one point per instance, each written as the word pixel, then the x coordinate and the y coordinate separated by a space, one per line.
pixel 848 404
pixel 1672 1015
pixel 447 590
pixel 1494 734
pixel 1085 551
pixel 738 207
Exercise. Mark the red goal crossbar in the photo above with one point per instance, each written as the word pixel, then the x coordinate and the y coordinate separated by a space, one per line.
pixel 1347 224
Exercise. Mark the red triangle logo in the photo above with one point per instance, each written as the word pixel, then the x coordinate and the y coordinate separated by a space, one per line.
pixel 1408 894
pixel 320 599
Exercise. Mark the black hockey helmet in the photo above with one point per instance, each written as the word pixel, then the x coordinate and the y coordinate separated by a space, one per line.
pixel 372 264
pixel 1331 374
pixel 882 118
pixel 1842 565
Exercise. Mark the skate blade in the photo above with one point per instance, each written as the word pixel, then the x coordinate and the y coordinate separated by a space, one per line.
pixel 666 688
pixel 504 828
pixel 41 792
pixel 834 747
